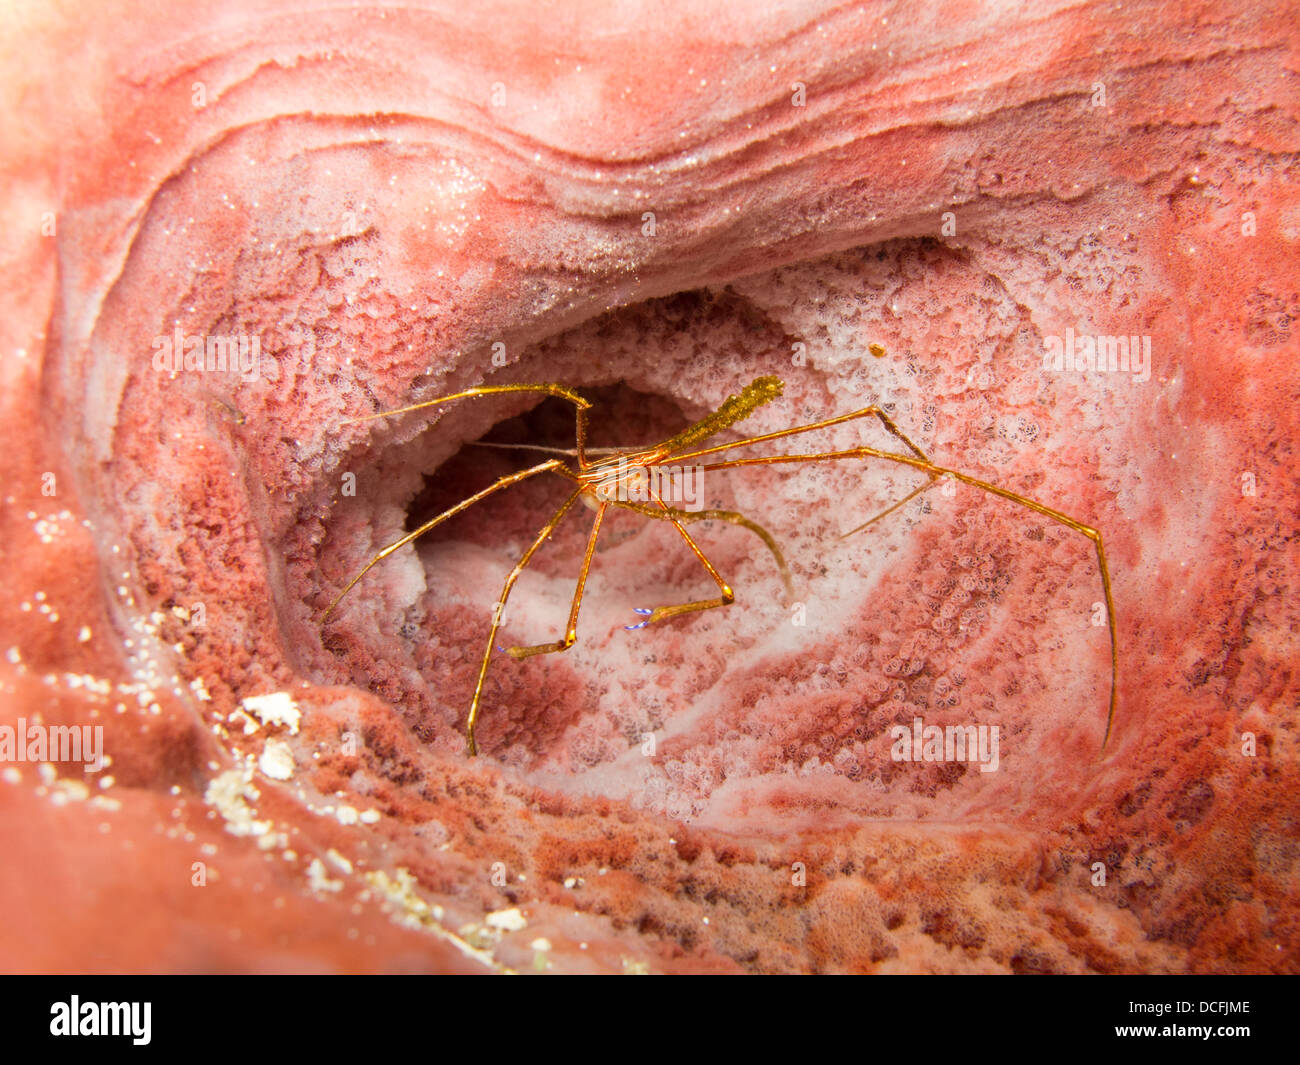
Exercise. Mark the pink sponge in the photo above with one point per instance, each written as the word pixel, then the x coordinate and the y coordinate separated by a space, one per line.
pixel 898 769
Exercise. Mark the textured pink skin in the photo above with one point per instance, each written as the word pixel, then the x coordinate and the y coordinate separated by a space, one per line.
pixel 349 193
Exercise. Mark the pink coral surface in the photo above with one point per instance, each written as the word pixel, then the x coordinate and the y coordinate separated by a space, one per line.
pixel 911 207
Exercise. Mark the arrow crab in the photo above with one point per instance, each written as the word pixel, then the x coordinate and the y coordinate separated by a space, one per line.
pixel 650 480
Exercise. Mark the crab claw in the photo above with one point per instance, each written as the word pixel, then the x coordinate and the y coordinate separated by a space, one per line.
pixel 644 612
